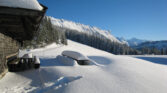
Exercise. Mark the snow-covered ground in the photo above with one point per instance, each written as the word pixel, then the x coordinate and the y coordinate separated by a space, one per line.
pixel 111 74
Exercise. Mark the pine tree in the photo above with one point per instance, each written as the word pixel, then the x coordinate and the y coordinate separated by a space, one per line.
pixel 46 34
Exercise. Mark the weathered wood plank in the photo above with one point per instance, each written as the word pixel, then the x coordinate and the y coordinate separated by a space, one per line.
pixel 8 47
pixel 19 11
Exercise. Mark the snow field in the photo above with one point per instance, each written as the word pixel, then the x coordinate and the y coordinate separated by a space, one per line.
pixel 112 74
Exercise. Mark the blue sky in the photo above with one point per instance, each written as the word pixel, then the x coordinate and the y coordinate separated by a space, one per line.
pixel 143 19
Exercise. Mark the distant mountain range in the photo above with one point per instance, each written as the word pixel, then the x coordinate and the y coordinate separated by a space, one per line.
pixel 141 43
pixel 131 42
pixel 153 44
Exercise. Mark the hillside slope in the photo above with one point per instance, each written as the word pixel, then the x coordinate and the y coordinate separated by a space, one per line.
pixel 111 74
pixel 83 28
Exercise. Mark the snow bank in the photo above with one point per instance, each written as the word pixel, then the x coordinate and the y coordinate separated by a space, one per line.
pixel 28 4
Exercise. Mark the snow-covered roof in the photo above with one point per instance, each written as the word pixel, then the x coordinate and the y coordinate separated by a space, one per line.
pixel 74 55
pixel 28 4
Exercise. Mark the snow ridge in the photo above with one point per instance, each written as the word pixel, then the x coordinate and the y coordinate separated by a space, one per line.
pixel 83 28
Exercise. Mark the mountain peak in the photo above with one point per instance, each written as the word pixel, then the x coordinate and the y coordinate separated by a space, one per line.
pixel 131 42
pixel 83 28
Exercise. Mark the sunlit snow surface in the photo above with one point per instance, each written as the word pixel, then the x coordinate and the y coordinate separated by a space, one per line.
pixel 112 74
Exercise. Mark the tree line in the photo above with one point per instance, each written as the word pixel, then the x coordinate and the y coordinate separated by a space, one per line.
pixel 98 41
pixel 153 50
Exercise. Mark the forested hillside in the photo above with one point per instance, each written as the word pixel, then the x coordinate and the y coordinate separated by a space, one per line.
pixel 47 34
pixel 97 41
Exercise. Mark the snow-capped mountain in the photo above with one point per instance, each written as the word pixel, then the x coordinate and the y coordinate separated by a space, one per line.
pixel 153 44
pixel 131 42
pixel 140 43
pixel 123 40
pixel 135 42
pixel 83 28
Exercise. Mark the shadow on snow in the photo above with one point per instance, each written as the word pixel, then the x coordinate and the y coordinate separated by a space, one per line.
pixel 100 60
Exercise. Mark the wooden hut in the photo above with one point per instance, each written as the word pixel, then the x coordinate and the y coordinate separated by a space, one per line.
pixel 16 25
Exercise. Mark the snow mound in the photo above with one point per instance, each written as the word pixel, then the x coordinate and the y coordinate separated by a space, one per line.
pixel 28 4
pixel 67 61
pixel 74 55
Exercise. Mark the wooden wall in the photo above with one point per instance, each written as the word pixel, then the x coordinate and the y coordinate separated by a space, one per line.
pixel 8 46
